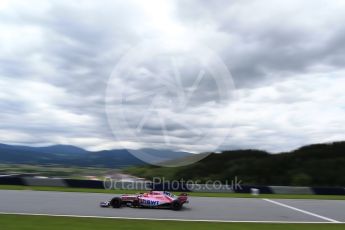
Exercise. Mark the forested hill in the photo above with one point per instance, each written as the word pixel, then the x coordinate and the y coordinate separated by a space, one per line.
pixel 319 165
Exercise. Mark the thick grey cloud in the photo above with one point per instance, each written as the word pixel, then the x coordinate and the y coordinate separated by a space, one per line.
pixel 286 59
pixel 261 37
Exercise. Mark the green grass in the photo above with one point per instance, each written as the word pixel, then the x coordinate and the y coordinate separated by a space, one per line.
pixel 64 189
pixel 22 222
pixel 198 194
pixel 273 196
pixel 57 171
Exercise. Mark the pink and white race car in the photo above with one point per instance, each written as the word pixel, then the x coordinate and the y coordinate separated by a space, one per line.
pixel 152 199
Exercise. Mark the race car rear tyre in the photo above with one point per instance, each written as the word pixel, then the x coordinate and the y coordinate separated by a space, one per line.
pixel 115 202
pixel 176 205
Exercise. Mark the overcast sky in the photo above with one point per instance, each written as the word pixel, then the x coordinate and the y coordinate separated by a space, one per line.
pixel 286 59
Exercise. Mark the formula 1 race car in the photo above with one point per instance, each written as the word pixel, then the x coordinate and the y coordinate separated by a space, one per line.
pixel 152 199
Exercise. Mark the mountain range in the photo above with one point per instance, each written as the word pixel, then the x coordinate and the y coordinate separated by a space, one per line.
pixel 69 155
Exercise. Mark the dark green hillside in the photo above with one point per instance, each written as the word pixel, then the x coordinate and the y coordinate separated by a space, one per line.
pixel 318 165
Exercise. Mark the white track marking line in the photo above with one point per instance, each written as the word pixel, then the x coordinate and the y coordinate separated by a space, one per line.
pixel 303 211
pixel 162 219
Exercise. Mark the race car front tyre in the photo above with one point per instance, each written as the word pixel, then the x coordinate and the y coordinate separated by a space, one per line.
pixel 115 202
pixel 176 205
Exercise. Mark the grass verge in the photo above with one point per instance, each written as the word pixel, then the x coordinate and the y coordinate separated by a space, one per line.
pixel 197 194
pixel 25 222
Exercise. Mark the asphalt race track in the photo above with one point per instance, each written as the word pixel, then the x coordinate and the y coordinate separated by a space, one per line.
pixel 200 208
